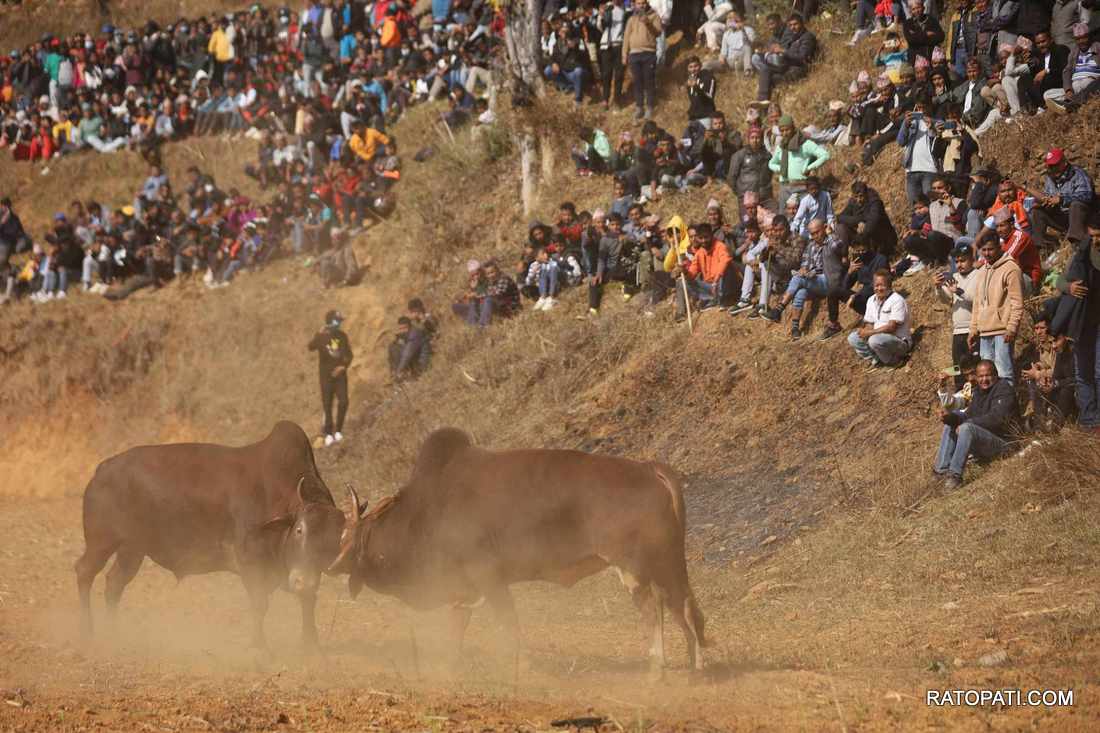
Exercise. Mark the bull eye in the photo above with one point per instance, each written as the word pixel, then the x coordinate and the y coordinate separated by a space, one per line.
pixel 298 529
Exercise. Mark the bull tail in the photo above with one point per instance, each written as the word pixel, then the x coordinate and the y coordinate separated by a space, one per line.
pixel 674 487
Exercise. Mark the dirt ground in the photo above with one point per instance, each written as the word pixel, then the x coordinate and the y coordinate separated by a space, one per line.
pixel 176 657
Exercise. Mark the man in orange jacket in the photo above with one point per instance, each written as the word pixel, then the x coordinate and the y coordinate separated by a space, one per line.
pixel 708 274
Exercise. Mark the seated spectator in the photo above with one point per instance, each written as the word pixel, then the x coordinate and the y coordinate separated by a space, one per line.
pixel 1047 369
pixel 606 262
pixel 593 154
pixel 984 187
pixel 857 287
pixel 405 352
pixel 957 289
pixel 816 203
pixel 712 28
pixel 834 129
pixel 864 220
pixel 1081 76
pixel 568 67
pixel 820 269
pixel 1010 196
pixel 785 60
pixel 709 277
pixel 922 32
pixel 965 381
pixel 884 338
pixel 735 53
pixel 714 149
pixel 998 306
pixel 946 218
pixel 543 274
pixel 984 430
pixel 1067 198
pixel 339 265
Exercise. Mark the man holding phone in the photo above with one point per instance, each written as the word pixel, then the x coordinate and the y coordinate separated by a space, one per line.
pixel 958 291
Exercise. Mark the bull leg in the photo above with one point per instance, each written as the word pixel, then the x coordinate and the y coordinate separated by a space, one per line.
pixel 505 608
pixel 309 623
pixel 126 566
pixel 648 601
pixel 460 619
pixel 87 567
pixel 682 608
pixel 258 600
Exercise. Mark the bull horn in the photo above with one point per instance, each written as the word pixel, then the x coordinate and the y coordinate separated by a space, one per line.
pixel 301 483
pixel 357 509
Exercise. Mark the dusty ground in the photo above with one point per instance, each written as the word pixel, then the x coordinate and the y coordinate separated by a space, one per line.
pixel 785 656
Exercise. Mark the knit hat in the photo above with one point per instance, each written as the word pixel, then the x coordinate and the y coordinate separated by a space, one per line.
pixel 472 266
pixel 599 214
pixel 882 82
pixel 751 198
pixel 1023 43
pixel 920 62
pixel 836 106
pixel 863 77
pixel 713 204
pixel 853 88
pixel 938 55
pixel 1005 48
pixel 786 121
pixel 752 114
pixel 1002 215
pixel 792 200
pixel 652 220
pixel 1080 30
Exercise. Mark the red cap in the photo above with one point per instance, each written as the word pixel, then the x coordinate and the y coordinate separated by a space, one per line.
pixel 1055 156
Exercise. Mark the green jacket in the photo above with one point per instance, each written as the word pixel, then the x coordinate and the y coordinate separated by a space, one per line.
pixel 801 159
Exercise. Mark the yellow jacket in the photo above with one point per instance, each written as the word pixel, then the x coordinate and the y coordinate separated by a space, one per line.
pixel 682 244
pixel 220 46
pixel 366 147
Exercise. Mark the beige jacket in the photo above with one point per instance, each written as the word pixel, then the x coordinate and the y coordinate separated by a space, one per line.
pixel 998 299
pixel 641 34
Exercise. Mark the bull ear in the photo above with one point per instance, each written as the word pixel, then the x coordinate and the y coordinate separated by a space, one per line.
pixel 263 542
pixel 301 485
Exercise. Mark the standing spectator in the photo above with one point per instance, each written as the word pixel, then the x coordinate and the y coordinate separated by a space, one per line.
pixel 958 290
pixel 998 305
pixel 884 337
pixel 1079 319
pixel 787 60
pixel 611 22
pixel 334 356
pixel 795 158
pixel 1068 198
pixel 640 54
pixel 983 430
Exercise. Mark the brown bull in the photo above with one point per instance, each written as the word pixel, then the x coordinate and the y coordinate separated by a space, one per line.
pixel 471 522
pixel 261 511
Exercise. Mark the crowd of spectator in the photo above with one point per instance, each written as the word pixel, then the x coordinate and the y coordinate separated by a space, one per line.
pixel 774 242
pixel 317 90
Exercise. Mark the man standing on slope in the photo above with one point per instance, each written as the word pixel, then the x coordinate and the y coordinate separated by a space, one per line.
pixel 333 359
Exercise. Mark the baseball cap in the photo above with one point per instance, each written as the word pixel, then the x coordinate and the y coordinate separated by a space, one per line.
pixel 1054 156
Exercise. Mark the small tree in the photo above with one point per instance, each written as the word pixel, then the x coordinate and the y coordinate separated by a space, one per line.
pixel 521 40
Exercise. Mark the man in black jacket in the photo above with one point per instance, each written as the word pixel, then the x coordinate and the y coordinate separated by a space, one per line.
pixel 1078 317
pixel 922 32
pixel 1047 63
pixel 700 89
pixel 569 67
pixel 864 220
pixel 333 358
pixel 789 59
pixel 984 429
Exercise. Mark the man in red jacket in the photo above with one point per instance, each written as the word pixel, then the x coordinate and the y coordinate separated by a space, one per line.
pixel 1021 247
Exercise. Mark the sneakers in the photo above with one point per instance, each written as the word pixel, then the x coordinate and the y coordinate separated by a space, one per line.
pixel 649 113
pixel 627 296
pixel 757 313
pixel 775 315
pixel 639 113
pixel 741 307
pixel 952 482
pixel 61 295
pixel 796 332
pixel 829 332
pixel 550 304
pixel 337 436
pixel 539 304
pixel 593 312
pixel 329 440
pixel 914 269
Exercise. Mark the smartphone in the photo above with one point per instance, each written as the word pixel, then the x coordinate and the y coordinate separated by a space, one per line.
pixel 951 371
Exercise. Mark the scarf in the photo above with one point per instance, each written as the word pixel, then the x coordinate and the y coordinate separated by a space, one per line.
pixel 795 143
